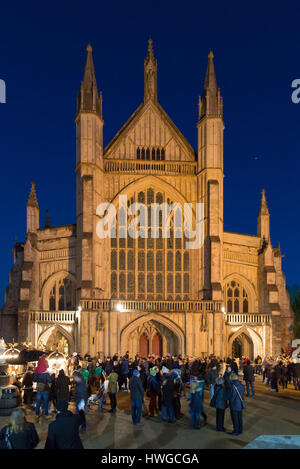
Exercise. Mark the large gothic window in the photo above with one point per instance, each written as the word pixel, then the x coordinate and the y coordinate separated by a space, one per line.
pixel 156 268
pixel 236 298
pixel 62 295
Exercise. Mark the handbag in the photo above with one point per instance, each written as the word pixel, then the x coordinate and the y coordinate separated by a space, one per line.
pixel 214 399
pixel 242 400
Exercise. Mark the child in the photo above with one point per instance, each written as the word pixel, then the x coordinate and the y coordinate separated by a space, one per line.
pixel 195 404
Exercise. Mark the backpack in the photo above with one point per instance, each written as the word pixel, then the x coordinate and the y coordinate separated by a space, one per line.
pixel 41 387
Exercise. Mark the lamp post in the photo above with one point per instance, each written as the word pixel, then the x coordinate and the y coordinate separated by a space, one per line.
pixel 77 322
pixel 224 312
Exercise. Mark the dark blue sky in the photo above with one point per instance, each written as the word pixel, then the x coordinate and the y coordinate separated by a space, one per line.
pixel 257 56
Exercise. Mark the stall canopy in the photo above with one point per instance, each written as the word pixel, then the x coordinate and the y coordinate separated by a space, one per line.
pixel 25 356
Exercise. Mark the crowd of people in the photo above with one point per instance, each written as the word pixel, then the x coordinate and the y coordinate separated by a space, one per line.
pixel 165 381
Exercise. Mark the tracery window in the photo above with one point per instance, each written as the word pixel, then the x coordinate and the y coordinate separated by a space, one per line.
pixel 150 268
pixel 237 300
pixel 62 295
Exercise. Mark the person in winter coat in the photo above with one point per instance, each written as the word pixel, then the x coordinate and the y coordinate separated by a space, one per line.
pixel 112 390
pixel 195 404
pixel 52 393
pixel 137 397
pixel 284 376
pixel 234 366
pixel 43 379
pixel 167 410
pixel 249 378
pixel 178 392
pixel 63 433
pixel 123 373
pixel 81 395
pixel 62 387
pixel 236 404
pixel 28 387
pixel 220 398
pixel 153 389
pixel 211 378
pixel 19 434
pixel 275 374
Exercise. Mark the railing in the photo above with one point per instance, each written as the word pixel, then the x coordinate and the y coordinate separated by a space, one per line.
pixel 144 167
pixel 247 318
pixel 150 306
pixel 53 316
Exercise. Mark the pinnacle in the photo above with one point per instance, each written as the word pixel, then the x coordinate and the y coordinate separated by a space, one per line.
pixel 32 199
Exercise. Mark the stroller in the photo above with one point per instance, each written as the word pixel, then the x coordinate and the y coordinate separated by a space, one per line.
pixel 97 399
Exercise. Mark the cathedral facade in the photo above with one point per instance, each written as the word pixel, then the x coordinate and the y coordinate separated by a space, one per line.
pixel 74 290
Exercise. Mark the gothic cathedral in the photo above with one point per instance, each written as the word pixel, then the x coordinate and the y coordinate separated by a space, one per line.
pixel 73 290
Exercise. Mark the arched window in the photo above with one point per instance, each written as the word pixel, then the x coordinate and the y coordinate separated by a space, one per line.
pixel 143 154
pixel 62 295
pixel 237 300
pixel 153 154
pixel 154 267
pixel 162 154
pixel 138 154
pixel 148 154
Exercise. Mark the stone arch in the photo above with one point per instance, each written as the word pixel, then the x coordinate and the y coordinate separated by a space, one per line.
pixel 252 335
pixel 249 287
pixel 133 326
pixel 45 335
pixel 45 293
pixel 154 182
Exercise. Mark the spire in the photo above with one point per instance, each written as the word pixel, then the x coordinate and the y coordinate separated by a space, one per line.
pixel 263 219
pixel 212 102
pixel 150 74
pixel 32 211
pixel 263 204
pixel 32 199
pixel 88 99
pixel 47 222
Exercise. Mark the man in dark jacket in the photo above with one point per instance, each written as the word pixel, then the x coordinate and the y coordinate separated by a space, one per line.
pixel 236 404
pixel 28 387
pixel 124 369
pixel 211 378
pixel 137 397
pixel 167 409
pixel 63 433
pixel 249 378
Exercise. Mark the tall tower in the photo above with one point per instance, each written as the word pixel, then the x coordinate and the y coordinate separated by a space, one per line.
pixel 33 211
pixel 210 184
pixel 91 281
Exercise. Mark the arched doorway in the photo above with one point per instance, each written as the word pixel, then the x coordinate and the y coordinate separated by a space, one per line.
pixel 237 348
pixel 54 339
pixel 161 336
pixel 144 346
pixel 242 346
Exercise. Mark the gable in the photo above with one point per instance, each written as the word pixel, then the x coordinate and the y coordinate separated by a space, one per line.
pixel 149 127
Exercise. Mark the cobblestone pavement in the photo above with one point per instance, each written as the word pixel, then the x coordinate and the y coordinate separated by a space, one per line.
pixel 267 413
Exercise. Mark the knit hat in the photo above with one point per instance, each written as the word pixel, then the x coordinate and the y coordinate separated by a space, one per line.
pixel 136 373
pixel 153 372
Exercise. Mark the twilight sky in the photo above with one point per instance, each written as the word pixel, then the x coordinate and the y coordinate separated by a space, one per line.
pixel 257 56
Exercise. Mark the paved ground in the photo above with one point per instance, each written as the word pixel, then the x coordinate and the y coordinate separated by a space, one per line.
pixel 268 413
